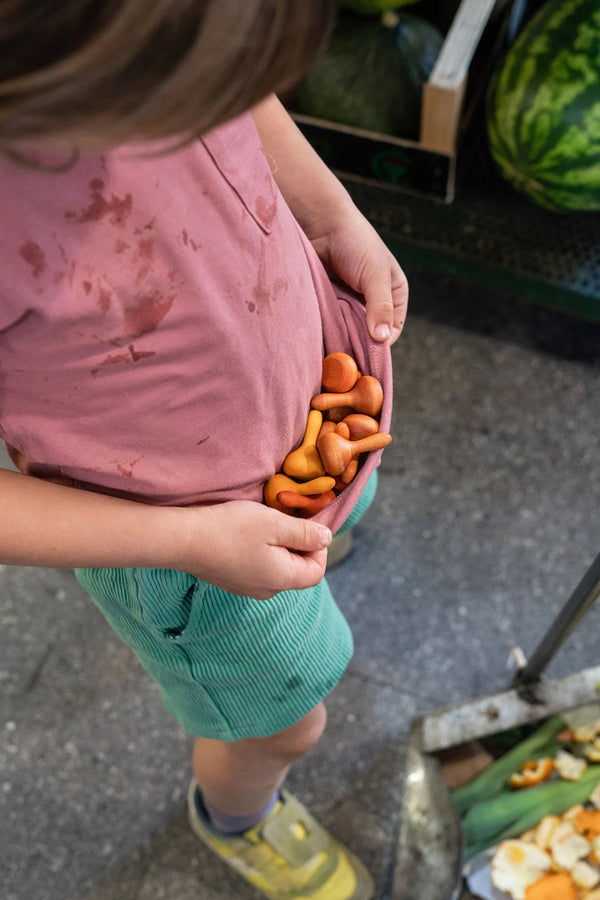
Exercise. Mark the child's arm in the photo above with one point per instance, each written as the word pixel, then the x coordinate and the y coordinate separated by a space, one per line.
pixel 240 546
pixel 344 240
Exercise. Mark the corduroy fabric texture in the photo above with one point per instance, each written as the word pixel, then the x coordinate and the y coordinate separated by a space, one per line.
pixel 228 666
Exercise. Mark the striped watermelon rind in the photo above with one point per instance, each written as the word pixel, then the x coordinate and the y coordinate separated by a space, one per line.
pixel 543 108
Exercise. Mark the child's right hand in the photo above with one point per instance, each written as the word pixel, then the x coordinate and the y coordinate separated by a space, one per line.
pixel 249 549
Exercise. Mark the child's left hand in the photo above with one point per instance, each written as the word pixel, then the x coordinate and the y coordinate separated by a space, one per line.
pixel 354 252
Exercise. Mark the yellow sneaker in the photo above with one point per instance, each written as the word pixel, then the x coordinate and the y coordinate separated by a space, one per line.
pixel 287 856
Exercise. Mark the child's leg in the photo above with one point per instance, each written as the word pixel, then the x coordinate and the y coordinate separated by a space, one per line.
pixel 266 836
pixel 239 778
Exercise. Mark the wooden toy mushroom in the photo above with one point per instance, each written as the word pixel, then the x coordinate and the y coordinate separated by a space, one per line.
pixel 343 480
pixel 307 505
pixel 360 426
pixel 337 413
pixel 281 482
pixel 340 373
pixel 304 462
pixel 326 427
pixel 338 427
pixel 336 452
pixel 365 397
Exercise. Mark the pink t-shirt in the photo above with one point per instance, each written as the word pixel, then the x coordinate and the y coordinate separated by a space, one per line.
pixel 163 321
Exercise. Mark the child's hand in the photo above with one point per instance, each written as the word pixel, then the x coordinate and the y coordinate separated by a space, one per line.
pixel 249 549
pixel 353 251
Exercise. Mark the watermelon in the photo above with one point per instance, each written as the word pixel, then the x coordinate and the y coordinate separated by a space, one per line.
pixel 374 7
pixel 371 74
pixel 543 108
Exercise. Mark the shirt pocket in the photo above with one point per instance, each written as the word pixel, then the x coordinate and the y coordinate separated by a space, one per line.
pixel 237 153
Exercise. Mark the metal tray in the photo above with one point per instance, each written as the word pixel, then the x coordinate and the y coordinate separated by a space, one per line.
pixel 429 851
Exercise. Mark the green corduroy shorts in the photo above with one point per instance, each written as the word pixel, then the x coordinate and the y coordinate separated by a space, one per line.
pixel 227 666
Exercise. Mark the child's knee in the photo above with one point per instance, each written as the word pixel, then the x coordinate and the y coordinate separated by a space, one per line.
pixel 297 740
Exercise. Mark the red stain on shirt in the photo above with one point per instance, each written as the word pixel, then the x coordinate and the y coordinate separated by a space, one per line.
pixel 266 210
pixel 114 358
pixel 34 256
pixel 188 242
pixel 104 299
pixel 146 312
pixel 132 355
pixel 146 249
pixel 118 208
pixel 126 468
pixel 140 354
pixel 262 289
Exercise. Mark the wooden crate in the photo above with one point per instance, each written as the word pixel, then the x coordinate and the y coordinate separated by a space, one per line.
pixel 426 166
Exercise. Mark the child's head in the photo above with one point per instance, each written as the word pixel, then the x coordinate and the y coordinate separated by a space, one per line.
pixel 96 73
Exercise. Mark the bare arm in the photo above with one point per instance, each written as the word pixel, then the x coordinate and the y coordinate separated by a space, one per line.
pixel 240 546
pixel 314 194
pixel 344 240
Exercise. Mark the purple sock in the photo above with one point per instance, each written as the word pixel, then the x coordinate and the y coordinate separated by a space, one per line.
pixel 227 824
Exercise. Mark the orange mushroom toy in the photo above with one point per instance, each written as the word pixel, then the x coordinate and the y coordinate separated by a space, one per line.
pixel 361 426
pixel 307 505
pixel 339 428
pixel 336 452
pixel 340 372
pixel 347 475
pixel 304 462
pixel 365 397
pixel 337 413
pixel 280 482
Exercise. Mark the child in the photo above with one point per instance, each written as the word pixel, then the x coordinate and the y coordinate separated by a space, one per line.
pixel 164 310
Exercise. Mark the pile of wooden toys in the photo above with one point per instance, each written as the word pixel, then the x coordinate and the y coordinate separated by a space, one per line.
pixel 342 425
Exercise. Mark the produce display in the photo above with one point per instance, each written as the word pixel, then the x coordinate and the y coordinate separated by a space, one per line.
pixel 372 73
pixel 342 425
pixel 559 859
pixel 538 810
pixel 543 108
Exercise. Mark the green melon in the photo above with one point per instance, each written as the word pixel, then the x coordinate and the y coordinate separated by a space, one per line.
pixel 374 7
pixel 371 75
pixel 543 108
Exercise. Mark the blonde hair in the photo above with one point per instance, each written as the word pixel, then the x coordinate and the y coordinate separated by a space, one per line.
pixel 111 71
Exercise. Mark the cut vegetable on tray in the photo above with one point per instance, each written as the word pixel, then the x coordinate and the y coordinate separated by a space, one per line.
pixel 533 816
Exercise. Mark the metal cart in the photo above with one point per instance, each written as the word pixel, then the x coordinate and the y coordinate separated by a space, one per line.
pixel 429 857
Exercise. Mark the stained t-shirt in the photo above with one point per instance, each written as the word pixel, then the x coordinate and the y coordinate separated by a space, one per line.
pixel 163 321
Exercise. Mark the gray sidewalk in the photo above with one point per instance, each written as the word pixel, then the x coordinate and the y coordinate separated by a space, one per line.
pixel 487 516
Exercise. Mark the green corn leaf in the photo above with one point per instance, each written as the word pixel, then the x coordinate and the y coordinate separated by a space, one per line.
pixel 493 779
pixel 511 813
